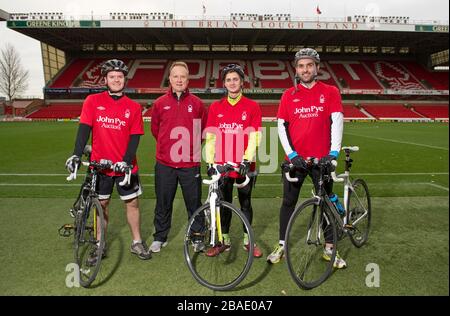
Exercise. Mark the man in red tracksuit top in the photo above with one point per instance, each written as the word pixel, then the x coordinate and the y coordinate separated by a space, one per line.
pixel 178 119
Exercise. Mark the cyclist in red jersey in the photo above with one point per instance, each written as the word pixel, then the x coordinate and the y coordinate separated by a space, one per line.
pixel 310 124
pixel 116 125
pixel 233 132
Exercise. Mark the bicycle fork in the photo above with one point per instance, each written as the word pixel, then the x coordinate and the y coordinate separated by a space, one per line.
pixel 314 225
pixel 215 219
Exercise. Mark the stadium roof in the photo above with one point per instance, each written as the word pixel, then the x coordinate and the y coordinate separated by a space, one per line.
pixel 73 36
pixel 74 39
pixel 4 16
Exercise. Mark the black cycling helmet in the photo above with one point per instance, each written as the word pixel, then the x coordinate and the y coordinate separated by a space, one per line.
pixel 114 65
pixel 309 53
pixel 233 68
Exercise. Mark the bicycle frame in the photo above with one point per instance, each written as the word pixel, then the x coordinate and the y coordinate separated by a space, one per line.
pixel 214 198
pixel 81 205
pixel 215 215
pixel 321 224
pixel 322 197
pixel 348 186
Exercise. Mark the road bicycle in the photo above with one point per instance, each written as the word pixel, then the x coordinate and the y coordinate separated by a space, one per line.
pixel 88 227
pixel 318 219
pixel 226 270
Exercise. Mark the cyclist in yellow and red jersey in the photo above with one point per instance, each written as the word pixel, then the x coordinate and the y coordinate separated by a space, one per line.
pixel 310 124
pixel 233 132
pixel 116 125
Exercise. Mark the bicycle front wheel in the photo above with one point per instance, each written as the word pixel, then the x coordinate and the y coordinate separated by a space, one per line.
pixel 309 228
pixel 359 212
pixel 230 265
pixel 89 241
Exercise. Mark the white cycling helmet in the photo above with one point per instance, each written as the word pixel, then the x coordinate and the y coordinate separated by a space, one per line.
pixel 307 53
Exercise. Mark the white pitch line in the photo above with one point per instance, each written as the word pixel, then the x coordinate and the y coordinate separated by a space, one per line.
pixel 438 186
pixel 279 185
pixel 373 174
pixel 401 174
pixel 399 142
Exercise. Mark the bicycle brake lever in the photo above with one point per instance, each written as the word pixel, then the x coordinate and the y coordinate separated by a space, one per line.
pixel 127 179
pixel 73 175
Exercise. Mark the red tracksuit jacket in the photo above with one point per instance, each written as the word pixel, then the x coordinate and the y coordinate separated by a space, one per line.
pixel 177 126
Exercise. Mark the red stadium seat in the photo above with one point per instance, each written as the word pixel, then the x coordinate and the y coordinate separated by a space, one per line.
pixel 57 111
pixel 261 74
pixel 432 111
pixel 390 111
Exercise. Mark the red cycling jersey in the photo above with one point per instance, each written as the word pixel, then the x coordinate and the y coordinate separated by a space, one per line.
pixel 112 122
pixel 308 112
pixel 232 126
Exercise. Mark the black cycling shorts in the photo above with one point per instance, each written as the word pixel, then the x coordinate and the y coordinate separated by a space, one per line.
pixel 105 185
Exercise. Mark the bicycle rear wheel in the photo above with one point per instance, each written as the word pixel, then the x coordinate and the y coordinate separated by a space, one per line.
pixel 89 241
pixel 305 242
pixel 359 212
pixel 226 270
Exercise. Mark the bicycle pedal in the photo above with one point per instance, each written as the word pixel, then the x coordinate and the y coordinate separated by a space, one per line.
pixel 66 230
pixel 349 226
pixel 72 213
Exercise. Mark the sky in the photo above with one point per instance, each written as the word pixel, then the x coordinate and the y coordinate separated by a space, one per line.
pixel 30 49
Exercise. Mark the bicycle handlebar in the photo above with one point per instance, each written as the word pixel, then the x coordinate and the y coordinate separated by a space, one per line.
pixel 226 168
pixel 312 161
pixel 287 175
pixel 127 178
pixel 103 165
pixel 350 149
pixel 333 173
pixel 73 175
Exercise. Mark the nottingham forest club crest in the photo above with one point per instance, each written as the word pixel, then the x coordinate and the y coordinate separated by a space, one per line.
pixel 127 113
pixel 190 108
pixel 244 116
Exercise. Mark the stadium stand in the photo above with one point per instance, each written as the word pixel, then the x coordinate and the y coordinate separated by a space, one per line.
pixel 435 112
pixel 57 111
pixel 395 74
pixel 390 111
pixel 269 110
pixel 67 77
pixel 355 74
pixel 145 73
pixel 22 108
pixel 351 112
pixel 271 74
pixel 387 74
pixel 437 80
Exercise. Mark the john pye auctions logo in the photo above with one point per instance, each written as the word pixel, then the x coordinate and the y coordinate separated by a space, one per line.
pixel 113 123
pixel 231 128
pixel 307 112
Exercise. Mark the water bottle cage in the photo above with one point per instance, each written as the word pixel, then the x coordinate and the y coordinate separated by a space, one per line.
pixel 340 209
